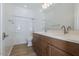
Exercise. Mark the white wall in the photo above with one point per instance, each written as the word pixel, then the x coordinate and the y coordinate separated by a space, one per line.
pixel 60 14
pixel 76 18
pixel 8 28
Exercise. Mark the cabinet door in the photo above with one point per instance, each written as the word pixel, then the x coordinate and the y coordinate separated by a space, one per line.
pixel 53 51
pixel 43 48
pixel 36 44
pixel 39 47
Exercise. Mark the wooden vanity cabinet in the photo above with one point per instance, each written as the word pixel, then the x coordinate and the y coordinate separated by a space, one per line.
pixel 46 46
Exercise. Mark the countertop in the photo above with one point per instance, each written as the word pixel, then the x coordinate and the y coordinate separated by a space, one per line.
pixel 71 36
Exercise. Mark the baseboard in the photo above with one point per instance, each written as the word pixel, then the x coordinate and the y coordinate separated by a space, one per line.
pixel 20 43
pixel 10 51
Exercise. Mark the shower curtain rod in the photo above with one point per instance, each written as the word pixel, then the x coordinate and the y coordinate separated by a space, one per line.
pixel 25 17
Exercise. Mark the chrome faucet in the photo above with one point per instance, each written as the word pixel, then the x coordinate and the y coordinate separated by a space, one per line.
pixel 65 31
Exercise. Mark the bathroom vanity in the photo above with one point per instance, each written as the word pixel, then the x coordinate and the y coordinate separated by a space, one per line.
pixel 45 44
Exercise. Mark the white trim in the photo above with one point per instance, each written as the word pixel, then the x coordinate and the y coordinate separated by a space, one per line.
pixel 1 39
pixel 10 50
pixel 20 43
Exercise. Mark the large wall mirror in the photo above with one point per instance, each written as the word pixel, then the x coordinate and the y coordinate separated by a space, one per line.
pixel 58 14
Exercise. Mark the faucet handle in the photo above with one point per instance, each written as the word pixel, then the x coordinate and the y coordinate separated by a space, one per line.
pixel 69 28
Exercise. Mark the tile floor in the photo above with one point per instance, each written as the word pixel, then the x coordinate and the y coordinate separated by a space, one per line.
pixel 22 50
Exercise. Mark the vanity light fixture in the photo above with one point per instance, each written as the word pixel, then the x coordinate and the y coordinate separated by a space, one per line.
pixel 46 5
